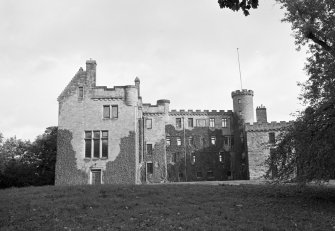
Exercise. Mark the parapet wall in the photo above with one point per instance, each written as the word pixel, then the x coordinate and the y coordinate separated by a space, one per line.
pixel 243 92
pixel 273 126
pixel 199 112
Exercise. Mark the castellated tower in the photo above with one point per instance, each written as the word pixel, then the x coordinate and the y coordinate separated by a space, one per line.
pixel 243 104
pixel 261 114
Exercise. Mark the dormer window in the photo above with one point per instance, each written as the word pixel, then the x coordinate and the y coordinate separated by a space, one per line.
pixel 81 93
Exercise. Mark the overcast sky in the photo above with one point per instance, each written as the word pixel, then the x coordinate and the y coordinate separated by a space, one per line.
pixel 181 50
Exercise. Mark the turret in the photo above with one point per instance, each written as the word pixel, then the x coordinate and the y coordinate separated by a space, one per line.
pixel 261 114
pixel 243 104
pixel 91 69
pixel 165 103
pixel 137 84
pixel 131 95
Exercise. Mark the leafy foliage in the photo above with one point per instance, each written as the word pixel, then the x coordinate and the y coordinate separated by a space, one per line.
pixel 307 151
pixel 236 5
pixel 23 163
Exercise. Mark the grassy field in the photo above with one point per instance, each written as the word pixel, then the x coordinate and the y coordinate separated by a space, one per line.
pixel 167 207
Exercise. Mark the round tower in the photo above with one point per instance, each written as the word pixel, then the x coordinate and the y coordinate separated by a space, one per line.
pixel 243 104
pixel 131 95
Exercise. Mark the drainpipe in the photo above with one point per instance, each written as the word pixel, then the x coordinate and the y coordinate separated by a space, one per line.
pixel 185 147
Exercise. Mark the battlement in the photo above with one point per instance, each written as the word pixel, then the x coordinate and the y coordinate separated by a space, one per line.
pixel 261 107
pixel 199 112
pixel 243 92
pixel 264 127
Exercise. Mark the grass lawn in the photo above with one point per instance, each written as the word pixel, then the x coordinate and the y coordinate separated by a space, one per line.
pixel 167 207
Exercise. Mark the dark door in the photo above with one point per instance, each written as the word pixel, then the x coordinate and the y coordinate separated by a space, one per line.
pixel 96 176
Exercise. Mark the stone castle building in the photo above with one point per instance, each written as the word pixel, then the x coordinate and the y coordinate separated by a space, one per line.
pixel 108 135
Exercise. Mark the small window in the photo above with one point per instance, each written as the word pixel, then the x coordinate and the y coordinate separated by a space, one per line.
pixel 106 111
pixel 178 141
pixel 174 157
pixel 190 122
pixel 149 149
pixel 226 141
pixel 201 123
pixel 150 168
pixel 212 122
pixel 178 122
pixel 168 141
pixel 224 122
pixel 213 140
pixel 148 123
pixel 239 101
pixel 81 92
pixel 199 174
pixel 210 173
pixel 190 140
pixel 115 111
pixel 221 157
pixel 272 138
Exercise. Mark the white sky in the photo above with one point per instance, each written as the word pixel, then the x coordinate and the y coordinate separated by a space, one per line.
pixel 181 50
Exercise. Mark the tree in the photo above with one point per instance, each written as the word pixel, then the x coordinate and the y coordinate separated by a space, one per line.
pixel 45 149
pixel 306 151
pixel 236 5
pixel 24 163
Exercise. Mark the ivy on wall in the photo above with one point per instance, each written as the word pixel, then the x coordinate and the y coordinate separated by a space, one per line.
pixel 66 164
pixel 206 155
pixel 122 169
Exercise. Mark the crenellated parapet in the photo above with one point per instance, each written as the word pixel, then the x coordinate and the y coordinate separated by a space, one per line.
pixel 200 113
pixel 242 92
pixel 263 127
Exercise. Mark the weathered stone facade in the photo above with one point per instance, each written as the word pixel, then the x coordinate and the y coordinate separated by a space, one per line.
pixel 107 135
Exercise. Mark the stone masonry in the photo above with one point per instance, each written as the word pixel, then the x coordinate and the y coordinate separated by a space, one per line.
pixel 109 136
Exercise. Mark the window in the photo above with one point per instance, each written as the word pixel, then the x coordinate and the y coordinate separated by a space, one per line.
pixel 190 140
pixel 106 112
pixel 93 141
pixel 88 144
pixel 224 122
pixel 115 111
pixel 150 168
pixel 201 123
pixel 96 176
pixel 210 173
pixel 239 101
pixel 168 141
pixel 148 123
pixel 104 143
pixel 149 149
pixel 221 157
pixel 193 159
pixel 199 174
pixel 212 122
pixel 213 140
pixel 226 141
pixel 81 92
pixel 272 139
pixel 190 122
pixel 178 122
pixel 174 157
pixel 178 141
pixel 96 144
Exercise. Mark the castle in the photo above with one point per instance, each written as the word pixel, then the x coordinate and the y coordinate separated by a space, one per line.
pixel 108 136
